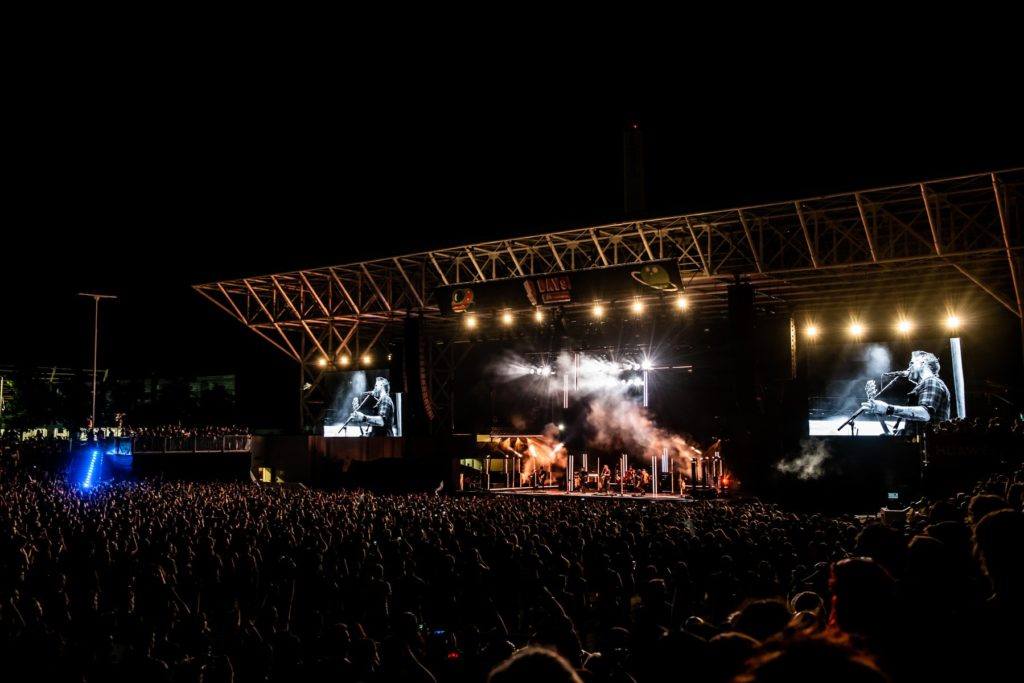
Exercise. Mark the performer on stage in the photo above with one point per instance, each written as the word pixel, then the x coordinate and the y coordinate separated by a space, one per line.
pixel 382 423
pixel 931 393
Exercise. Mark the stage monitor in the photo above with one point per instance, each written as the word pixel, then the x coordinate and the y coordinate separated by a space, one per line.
pixel 363 405
pixel 841 377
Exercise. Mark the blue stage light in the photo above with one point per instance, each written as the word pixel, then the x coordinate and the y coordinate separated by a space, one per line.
pixel 93 460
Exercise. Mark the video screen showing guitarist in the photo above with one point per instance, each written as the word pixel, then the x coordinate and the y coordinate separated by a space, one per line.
pixel 380 410
pixel 931 394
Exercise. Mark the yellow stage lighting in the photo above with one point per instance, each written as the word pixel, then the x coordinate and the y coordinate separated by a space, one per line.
pixel 638 306
pixel 856 329
pixel 811 331
pixel 506 318
pixel 952 321
pixel 904 326
pixel 471 321
pixel 538 315
pixel 598 310
pixel 681 302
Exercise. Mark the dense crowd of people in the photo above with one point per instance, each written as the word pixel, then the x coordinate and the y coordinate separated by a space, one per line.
pixel 179 581
pixel 978 426
pixel 184 431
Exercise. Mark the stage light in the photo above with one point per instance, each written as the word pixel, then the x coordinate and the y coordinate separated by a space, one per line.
pixel 546 371
pixel 856 329
pixel 681 302
pixel 561 428
pixel 538 315
pixel 811 331
pixel 471 321
pixel 87 480
pixel 367 359
pixel 598 310
pixel 506 318
pixel 647 365
pixel 638 306
pixel 904 326
pixel 344 360
pixel 322 362
pixel 952 321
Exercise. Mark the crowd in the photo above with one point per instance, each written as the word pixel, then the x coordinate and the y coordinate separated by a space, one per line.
pixel 978 426
pixel 177 581
pixel 185 432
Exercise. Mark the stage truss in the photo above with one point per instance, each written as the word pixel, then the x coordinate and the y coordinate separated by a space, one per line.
pixel 954 237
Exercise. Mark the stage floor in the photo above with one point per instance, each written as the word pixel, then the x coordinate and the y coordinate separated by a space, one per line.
pixel 645 497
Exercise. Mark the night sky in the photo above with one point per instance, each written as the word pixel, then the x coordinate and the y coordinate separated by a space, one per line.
pixel 142 189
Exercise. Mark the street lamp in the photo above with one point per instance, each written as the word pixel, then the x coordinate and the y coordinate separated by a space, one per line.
pixel 95 344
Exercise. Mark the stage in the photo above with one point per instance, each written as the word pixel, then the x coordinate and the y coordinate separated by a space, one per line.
pixel 555 493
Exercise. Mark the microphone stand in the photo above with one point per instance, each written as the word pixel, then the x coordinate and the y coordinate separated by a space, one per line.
pixel 860 411
pixel 358 409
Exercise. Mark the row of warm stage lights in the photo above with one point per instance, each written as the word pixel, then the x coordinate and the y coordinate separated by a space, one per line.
pixel 344 360
pixel 597 311
pixel 903 326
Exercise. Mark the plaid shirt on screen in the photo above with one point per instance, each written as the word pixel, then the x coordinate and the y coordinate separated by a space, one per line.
pixel 933 395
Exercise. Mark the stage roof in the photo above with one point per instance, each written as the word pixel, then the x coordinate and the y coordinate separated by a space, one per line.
pixel 934 241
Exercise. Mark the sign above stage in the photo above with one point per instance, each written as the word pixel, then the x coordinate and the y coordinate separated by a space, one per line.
pixel 560 289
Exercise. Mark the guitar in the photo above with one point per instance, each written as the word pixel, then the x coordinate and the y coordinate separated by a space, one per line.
pixel 356 406
pixel 871 390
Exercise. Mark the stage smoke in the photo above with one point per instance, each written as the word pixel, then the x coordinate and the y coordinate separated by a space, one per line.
pixel 619 423
pixel 810 464
pixel 877 359
pixel 615 420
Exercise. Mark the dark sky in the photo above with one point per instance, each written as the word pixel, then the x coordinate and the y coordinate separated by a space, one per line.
pixel 143 186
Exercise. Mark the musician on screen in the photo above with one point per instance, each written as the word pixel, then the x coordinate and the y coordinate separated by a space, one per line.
pixel 931 393
pixel 382 422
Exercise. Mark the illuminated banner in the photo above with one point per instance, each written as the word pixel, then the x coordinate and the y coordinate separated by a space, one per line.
pixel 555 289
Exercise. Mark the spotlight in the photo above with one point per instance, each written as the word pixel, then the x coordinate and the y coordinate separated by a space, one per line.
pixel 647 365
pixel 322 362
pixel 952 321
pixel 538 315
pixel 561 426
pixel 344 360
pixel 856 329
pixel 681 302
pixel 904 326
pixel 546 370
pixel 367 359
pixel 598 311
pixel 471 321
pixel 506 318
pixel 638 306
pixel 811 331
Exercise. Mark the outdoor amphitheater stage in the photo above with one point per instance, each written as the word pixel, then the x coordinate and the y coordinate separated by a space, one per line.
pixel 691 496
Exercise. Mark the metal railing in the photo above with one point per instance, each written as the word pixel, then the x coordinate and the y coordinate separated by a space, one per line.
pixel 228 443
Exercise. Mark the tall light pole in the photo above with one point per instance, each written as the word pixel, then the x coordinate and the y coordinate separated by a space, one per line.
pixel 95 345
